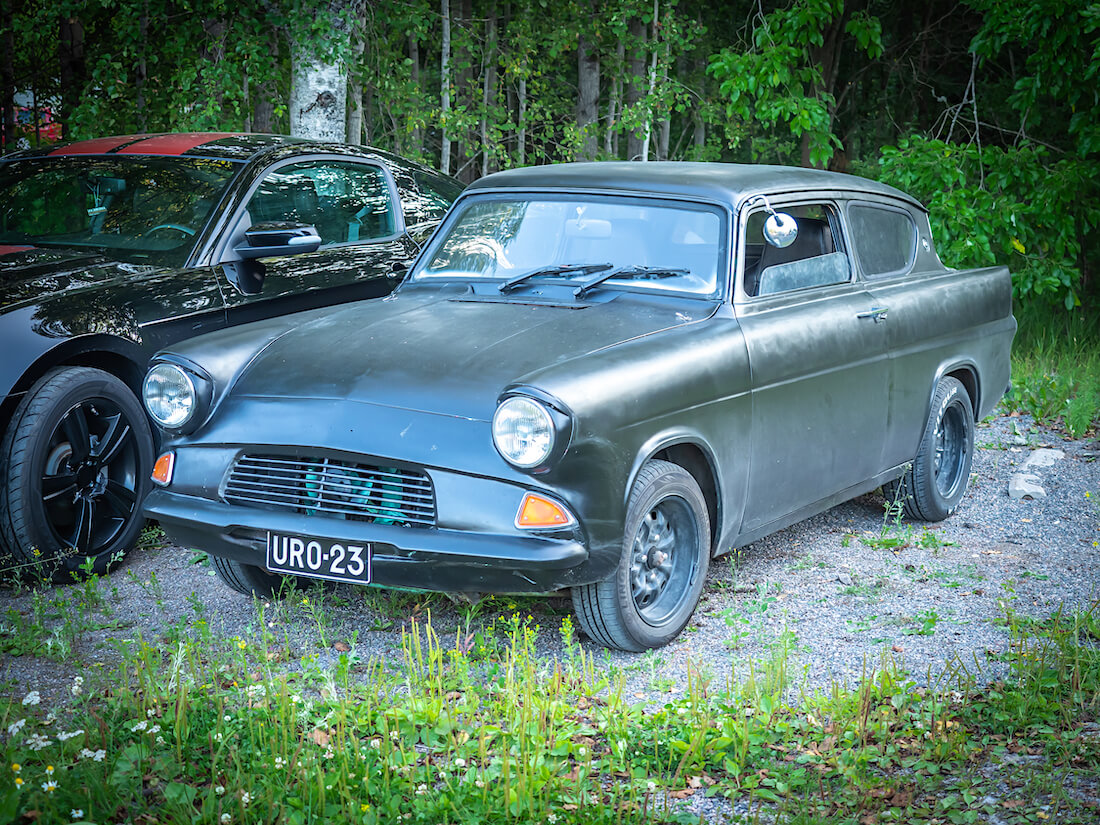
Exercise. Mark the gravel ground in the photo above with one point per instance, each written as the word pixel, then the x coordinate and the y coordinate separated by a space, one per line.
pixel 826 589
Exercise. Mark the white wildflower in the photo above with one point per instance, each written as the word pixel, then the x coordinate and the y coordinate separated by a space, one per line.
pixel 37 742
pixel 77 813
pixel 15 727
pixel 551 818
pixel 77 688
pixel 32 698
pixel 650 787
pixel 376 743
pixel 160 740
pixel 150 713
pixel 49 786
pixel 421 789
pixel 460 762
pixel 154 729
pixel 142 725
pixel 65 737
pixel 280 763
pixel 226 819
pixel 219 789
pixel 246 797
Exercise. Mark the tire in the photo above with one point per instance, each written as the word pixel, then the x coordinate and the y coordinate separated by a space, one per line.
pixel 76 459
pixel 248 578
pixel 650 598
pixel 936 480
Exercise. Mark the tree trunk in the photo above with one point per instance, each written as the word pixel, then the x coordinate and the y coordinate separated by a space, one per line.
pixel 355 89
pixel 465 170
pixel 664 125
pixel 614 105
pixel 72 71
pixel 319 85
pixel 635 140
pixel 488 86
pixel 652 84
pixel 417 136
pixel 588 97
pixel 140 69
pixel 827 57
pixel 521 115
pixel 445 89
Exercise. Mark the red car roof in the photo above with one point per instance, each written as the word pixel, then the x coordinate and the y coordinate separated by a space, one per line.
pixel 170 144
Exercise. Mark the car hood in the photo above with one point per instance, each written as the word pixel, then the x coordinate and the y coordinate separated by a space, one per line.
pixel 447 351
pixel 32 274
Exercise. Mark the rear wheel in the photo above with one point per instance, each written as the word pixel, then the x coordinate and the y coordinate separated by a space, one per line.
pixel 936 481
pixel 76 459
pixel 247 578
pixel 653 592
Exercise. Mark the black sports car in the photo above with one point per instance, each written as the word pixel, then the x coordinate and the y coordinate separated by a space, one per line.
pixel 113 248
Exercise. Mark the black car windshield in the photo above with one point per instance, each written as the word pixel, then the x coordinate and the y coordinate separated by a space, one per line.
pixel 136 208
pixel 659 246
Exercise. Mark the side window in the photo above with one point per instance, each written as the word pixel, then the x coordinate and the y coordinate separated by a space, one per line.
pixel 816 257
pixel 346 202
pixel 885 239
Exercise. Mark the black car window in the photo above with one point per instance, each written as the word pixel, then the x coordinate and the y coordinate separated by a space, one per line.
pixel 346 202
pixel 137 208
pixel 885 239
pixel 815 258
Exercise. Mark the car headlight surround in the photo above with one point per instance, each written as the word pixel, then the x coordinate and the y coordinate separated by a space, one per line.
pixel 171 395
pixel 524 432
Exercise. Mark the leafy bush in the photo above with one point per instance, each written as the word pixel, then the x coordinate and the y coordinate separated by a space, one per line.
pixel 1011 206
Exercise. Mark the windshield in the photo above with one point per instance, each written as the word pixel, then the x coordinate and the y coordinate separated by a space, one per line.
pixel 138 208
pixel 620 242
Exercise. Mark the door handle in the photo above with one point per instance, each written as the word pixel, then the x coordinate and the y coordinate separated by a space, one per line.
pixel 876 314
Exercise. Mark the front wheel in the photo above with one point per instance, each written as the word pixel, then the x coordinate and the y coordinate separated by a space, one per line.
pixel 249 578
pixel 653 592
pixel 937 478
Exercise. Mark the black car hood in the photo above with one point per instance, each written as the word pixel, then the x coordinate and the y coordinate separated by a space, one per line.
pixel 32 274
pixel 446 352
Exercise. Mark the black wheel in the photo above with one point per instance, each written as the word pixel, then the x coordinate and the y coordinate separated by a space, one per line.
pixel 76 460
pixel 936 481
pixel 248 578
pixel 651 595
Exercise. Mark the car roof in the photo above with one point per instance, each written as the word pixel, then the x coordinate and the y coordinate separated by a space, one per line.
pixel 728 183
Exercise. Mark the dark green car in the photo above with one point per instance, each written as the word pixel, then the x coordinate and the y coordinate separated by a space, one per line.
pixel 596 377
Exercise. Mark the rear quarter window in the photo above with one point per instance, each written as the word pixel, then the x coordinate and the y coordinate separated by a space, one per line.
pixel 885 239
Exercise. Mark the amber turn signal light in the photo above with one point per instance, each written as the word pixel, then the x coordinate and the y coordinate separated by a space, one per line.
pixel 162 470
pixel 537 511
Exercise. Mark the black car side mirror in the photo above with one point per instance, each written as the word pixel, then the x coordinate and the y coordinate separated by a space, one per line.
pixel 271 238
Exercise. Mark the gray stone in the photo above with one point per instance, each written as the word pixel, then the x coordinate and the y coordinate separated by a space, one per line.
pixel 1024 485
pixel 1043 458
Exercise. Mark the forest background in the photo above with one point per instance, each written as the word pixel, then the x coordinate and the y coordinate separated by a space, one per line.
pixel 985 110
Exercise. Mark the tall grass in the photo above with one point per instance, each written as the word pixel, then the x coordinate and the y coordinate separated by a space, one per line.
pixel 192 728
pixel 1056 367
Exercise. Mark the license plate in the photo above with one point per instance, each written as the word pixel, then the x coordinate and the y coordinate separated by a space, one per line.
pixel 339 561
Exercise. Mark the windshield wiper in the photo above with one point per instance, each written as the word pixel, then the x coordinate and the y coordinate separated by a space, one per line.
pixel 561 269
pixel 630 272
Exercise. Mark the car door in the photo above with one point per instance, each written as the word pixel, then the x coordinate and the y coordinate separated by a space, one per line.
pixel 818 358
pixel 355 208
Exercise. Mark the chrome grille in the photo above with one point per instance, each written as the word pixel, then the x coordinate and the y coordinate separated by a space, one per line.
pixel 326 486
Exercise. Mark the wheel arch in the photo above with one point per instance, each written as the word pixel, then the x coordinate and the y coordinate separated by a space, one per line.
pixel 694 456
pixel 117 356
pixel 966 373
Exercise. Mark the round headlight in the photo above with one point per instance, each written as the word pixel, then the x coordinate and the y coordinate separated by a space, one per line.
pixel 523 431
pixel 170 395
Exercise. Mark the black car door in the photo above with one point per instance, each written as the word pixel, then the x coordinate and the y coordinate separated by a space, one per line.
pixel 355 208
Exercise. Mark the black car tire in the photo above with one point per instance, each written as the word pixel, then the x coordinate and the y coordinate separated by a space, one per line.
pixel 61 505
pixel 248 578
pixel 653 592
pixel 936 480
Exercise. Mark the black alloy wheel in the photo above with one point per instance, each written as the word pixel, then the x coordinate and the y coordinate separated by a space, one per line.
pixel 936 480
pixel 77 456
pixel 653 592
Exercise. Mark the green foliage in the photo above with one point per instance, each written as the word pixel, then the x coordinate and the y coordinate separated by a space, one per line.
pixel 1056 368
pixel 197 729
pixel 779 79
pixel 1011 206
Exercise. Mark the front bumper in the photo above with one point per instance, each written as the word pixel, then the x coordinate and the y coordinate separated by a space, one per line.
pixel 428 559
